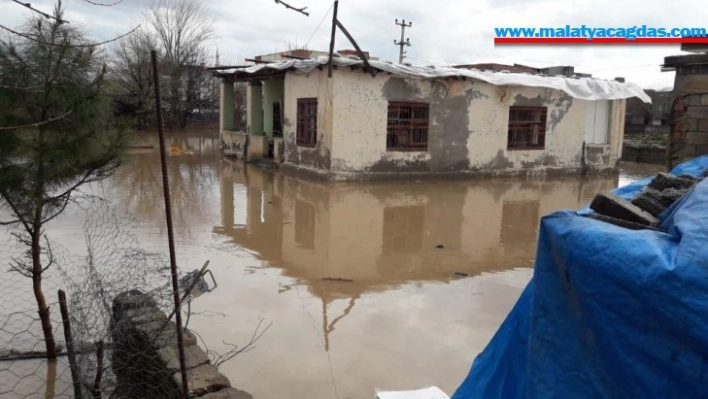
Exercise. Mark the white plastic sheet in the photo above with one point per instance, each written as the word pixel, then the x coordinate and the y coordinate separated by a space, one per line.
pixel 581 88
pixel 425 393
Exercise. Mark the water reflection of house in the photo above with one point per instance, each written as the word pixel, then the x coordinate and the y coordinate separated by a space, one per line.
pixel 381 235
pixel 422 119
pixel 373 237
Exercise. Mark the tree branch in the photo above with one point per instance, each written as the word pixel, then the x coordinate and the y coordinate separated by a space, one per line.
pixel 300 10
pixel 103 5
pixel 28 88
pixel 28 37
pixel 235 351
pixel 16 211
pixel 42 13
pixel 59 212
pixel 38 123
pixel 50 254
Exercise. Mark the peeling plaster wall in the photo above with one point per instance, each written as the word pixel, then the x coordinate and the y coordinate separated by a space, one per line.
pixel 360 121
pixel 234 143
pixel 278 149
pixel 257 147
pixel 489 130
pixel 313 85
pixel 617 118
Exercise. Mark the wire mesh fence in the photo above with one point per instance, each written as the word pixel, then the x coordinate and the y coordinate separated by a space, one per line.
pixel 122 341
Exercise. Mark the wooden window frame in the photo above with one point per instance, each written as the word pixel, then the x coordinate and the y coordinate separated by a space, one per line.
pixel 306 133
pixel 277 119
pixel 407 126
pixel 527 128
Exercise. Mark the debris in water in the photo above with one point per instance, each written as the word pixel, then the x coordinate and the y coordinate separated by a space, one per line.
pixel 439 246
pixel 460 274
pixel 346 280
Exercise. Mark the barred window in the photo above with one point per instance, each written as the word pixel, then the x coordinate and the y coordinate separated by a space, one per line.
pixel 306 134
pixel 527 128
pixel 407 127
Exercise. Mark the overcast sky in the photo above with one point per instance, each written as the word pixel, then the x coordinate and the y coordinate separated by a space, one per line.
pixel 443 31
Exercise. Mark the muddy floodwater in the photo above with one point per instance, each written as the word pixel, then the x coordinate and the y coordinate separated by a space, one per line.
pixel 394 285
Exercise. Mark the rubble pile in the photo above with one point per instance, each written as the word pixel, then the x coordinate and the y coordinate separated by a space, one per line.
pixel 644 210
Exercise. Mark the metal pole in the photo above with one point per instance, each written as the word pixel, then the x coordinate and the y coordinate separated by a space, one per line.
pixel 170 235
pixel 331 41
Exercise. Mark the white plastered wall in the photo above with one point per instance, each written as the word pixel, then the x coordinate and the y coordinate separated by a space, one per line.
pixel 489 119
pixel 353 130
pixel 360 115
pixel 312 85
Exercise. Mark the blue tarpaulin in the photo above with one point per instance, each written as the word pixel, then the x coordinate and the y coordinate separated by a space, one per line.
pixel 610 312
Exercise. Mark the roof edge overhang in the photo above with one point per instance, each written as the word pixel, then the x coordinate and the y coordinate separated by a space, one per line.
pixel 584 88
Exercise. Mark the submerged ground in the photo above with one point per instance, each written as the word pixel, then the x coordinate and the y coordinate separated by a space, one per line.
pixel 393 285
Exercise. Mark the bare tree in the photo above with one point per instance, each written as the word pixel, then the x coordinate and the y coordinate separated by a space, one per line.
pixel 183 31
pixel 240 109
pixel 132 74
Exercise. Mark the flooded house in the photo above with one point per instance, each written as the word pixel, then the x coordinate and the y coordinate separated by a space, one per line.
pixel 377 119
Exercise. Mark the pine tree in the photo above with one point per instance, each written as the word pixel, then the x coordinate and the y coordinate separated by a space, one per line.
pixel 56 134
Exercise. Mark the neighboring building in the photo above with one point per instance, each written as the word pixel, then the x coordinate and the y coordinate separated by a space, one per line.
pixel 641 115
pixel 518 68
pixel 423 120
pixel 304 54
pixel 689 121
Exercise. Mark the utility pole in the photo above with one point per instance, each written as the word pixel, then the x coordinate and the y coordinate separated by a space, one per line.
pixel 402 43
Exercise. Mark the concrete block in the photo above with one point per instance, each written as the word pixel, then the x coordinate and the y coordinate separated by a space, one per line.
pixel 665 181
pixel 228 393
pixel 145 351
pixel 698 138
pixel 611 205
pixel 168 336
pixel 202 380
pixel 700 111
pixel 693 99
pixel 193 355
pixel 692 123
pixel 146 315
pixel 701 149
pixel 620 222
pixel 702 125
pixel 656 202
pixel 691 84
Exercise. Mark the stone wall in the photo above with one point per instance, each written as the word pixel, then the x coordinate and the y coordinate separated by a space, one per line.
pixel 644 153
pixel 689 133
pixel 145 357
pixel 689 114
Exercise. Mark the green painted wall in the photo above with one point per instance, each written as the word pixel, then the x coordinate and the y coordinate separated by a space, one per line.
pixel 273 91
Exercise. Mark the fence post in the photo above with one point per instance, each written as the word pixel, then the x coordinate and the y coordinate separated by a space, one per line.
pixel 70 345
pixel 168 217
pixel 97 389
